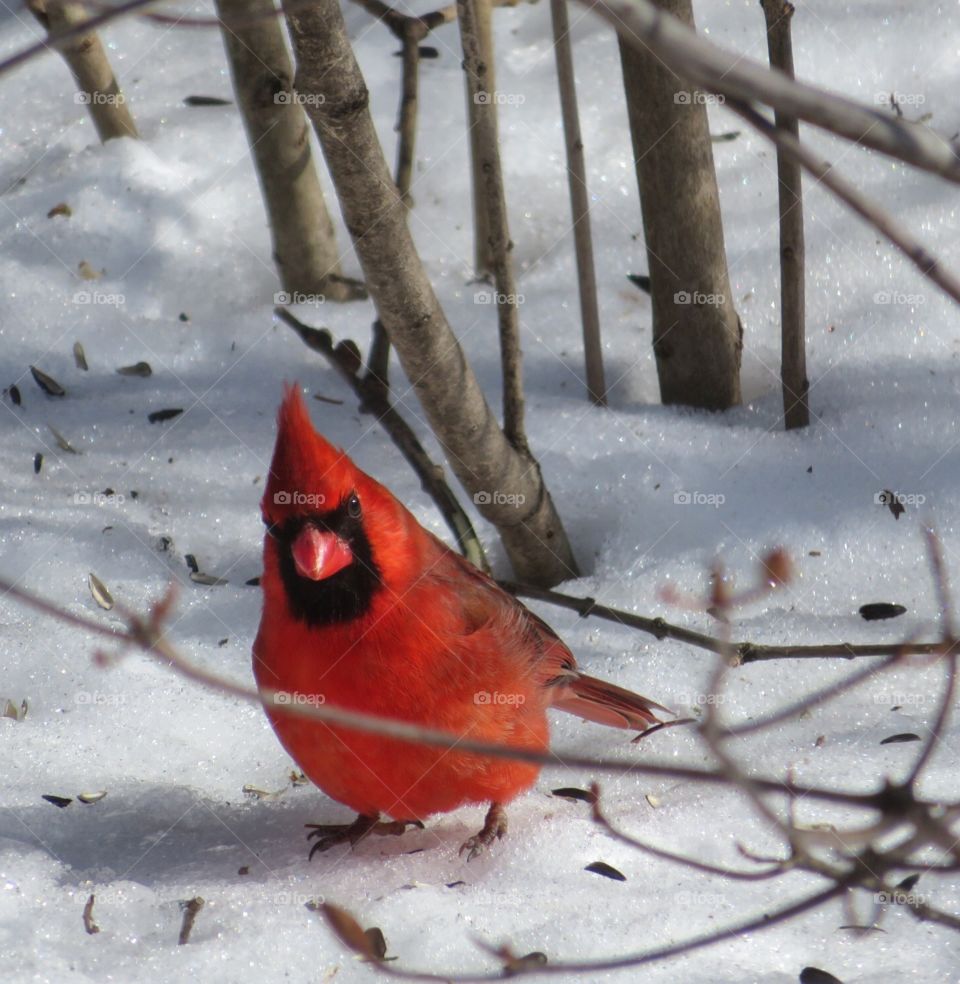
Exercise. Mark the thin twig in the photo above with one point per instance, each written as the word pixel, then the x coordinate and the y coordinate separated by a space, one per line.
pixel 579 204
pixel 744 652
pixel 755 924
pixel 413 33
pixel 658 852
pixel 374 398
pixel 935 555
pixel 793 371
pixel 735 76
pixel 147 634
pixel 881 220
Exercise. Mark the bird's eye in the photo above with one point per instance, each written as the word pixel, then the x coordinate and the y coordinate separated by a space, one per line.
pixel 353 506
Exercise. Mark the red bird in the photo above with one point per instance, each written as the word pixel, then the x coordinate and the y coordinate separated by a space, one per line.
pixel 366 610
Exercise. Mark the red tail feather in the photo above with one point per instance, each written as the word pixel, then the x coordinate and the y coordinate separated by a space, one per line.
pixel 606 703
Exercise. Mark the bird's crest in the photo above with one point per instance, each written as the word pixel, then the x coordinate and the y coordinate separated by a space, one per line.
pixel 307 474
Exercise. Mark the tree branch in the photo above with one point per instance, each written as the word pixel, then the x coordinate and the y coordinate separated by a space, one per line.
pixel 793 370
pixel 373 393
pixel 579 204
pixel 644 27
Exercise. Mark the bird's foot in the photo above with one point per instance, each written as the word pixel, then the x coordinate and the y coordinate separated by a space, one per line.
pixel 330 835
pixel 494 828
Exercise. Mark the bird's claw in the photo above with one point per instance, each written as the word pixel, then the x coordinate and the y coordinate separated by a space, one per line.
pixel 494 828
pixel 330 835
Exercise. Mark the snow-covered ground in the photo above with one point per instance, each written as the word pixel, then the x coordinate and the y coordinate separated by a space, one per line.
pixel 176 225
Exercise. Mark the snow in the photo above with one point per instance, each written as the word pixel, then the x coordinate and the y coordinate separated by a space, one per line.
pixel 175 222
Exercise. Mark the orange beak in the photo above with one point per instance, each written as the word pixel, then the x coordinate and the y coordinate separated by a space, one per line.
pixel 318 554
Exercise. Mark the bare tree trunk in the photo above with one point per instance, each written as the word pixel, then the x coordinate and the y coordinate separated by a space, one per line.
pixel 579 204
pixel 505 484
pixel 484 261
pixel 793 367
pixel 488 191
pixel 697 338
pixel 87 60
pixel 304 241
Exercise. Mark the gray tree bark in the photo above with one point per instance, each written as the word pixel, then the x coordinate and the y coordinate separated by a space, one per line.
pixel 505 483
pixel 302 233
pixel 484 260
pixel 793 358
pixel 579 204
pixel 489 192
pixel 697 338
pixel 87 60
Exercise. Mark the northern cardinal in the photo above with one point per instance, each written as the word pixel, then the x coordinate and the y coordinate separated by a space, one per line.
pixel 365 609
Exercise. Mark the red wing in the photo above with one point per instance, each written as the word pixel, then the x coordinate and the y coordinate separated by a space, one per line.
pixel 555 667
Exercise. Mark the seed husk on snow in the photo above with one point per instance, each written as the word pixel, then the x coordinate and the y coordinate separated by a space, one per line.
pixel 879 610
pixel 9 709
pixel 47 383
pixel 14 392
pixel 518 965
pixel 607 870
pixel 80 357
pixel 61 208
pixel 209 580
pixel 814 975
pixel 572 793
pixel 137 369
pixel 191 562
pixel 37 463
pixel 190 909
pixel 377 941
pixel 897 739
pixel 100 593
pixel 205 101
pixel 58 801
pixel 158 416
pixel 88 924
pixel 62 443
pixel 91 798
